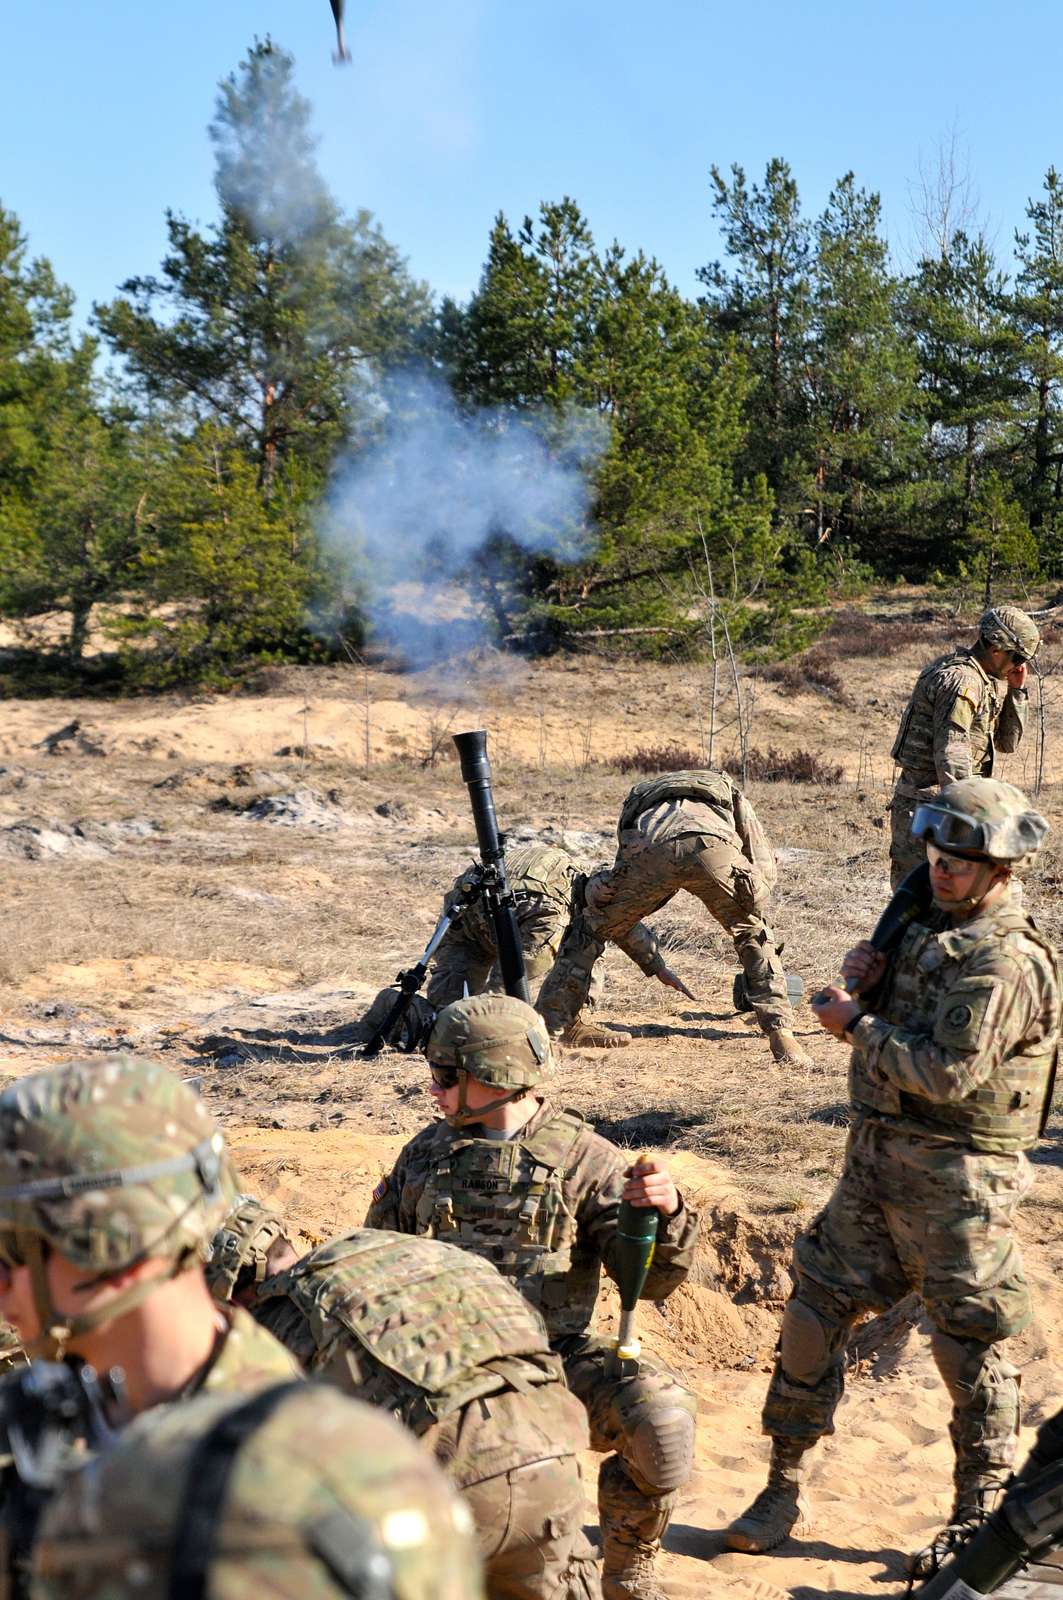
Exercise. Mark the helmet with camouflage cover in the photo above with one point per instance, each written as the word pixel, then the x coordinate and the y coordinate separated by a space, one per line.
pixel 494 1037
pixel 1009 629
pixel 108 1163
pixel 982 819
pixel 238 1254
pixel 298 1492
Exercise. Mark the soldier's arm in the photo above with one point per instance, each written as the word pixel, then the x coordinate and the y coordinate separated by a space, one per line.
pixel 755 844
pixel 641 945
pixel 394 1202
pixel 597 1174
pixel 955 704
pixel 1011 721
pixel 989 1009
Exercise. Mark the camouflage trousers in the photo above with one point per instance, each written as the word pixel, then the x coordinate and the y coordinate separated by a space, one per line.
pixel 468 954
pixel 906 853
pixel 912 1213
pixel 646 1423
pixel 644 877
pixel 527 1509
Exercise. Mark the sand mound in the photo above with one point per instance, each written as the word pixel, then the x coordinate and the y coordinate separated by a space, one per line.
pixel 36 841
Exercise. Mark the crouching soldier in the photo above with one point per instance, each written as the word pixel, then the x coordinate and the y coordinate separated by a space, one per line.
pixel 439 1339
pixel 531 1188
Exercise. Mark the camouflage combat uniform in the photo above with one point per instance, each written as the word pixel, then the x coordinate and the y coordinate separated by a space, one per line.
pixel 298 1493
pixel 949 1078
pixel 682 830
pixel 548 887
pixel 542 1207
pixel 438 1338
pixel 956 719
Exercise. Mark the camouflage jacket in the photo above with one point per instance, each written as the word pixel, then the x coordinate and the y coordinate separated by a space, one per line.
pixel 410 1325
pixel 956 717
pixel 245 1357
pixel 680 803
pixel 318 1497
pixel 963 1037
pixel 541 1206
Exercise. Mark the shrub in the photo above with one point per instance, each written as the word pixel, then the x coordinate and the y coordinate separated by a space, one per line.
pixel 784 766
pixel 659 758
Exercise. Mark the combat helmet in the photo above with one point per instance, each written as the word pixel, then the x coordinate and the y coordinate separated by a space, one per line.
pixel 109 1163
pixel 494 1038
pixel 239 1251
pixel 982 819
pixel 297 1491
pixel 1009 629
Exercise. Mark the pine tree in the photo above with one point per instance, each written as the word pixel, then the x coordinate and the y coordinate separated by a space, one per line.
pixel 260 324
pixel 1038 313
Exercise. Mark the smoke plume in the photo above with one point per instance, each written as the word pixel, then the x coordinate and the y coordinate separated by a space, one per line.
pixel 438 497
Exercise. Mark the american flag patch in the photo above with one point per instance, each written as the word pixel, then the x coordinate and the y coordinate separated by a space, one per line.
pixel 381 1189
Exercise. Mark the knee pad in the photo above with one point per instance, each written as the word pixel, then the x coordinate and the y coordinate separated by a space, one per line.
pixel 809 1343
pixel 660 1449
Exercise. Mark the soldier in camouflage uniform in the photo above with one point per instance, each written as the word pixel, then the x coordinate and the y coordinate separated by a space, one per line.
pixel 950 1078
pixel 964 707
pixel 509 1176
pixel 548 886
pixel 298 1493
pixel 681 830
pixel 440 1339
pixel 112 1176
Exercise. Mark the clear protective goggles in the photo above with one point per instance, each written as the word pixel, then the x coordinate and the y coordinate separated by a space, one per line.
pixel 950 830
pixel 1010 839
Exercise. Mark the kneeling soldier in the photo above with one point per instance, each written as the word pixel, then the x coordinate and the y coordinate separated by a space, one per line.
pixel 529 1187
pixel 438 1338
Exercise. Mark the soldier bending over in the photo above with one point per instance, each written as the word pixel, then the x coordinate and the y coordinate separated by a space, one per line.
pixel 681 830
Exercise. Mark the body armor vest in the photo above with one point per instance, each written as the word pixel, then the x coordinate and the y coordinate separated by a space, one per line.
pixel 1006 1113
pixel 435 1328
pixel 913 748
pixel 711 788
pixel 504 1200
pixel 538 875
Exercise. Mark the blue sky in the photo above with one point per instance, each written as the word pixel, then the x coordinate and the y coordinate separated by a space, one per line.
pixel 456 109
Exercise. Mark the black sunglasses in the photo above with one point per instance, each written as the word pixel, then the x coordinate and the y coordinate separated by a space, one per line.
pixel 443 1077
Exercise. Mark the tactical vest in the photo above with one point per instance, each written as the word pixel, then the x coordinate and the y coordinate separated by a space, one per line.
pixel 913 748
pixel 536 873
pixel 1005 1114
pixel 436 1327
pixel 711 788
pixel 503 1199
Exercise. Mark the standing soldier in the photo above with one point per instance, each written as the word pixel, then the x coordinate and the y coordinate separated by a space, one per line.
pixel 681 830
pixel 960 712
pixel 112 1177
pixel 509 1176
pixel 950 1079
pixel 440 1339
pixel 297 1493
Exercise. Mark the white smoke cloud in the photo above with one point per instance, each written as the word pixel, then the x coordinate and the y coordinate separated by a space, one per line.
pixel 433 491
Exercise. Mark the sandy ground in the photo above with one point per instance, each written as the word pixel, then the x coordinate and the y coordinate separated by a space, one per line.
pixel 224 882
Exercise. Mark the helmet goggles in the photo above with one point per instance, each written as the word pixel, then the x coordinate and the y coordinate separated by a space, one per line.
pixel 1009 839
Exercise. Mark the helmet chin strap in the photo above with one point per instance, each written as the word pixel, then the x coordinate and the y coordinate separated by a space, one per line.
pixel 463 1116
pixel 977 895
pixel 57 1329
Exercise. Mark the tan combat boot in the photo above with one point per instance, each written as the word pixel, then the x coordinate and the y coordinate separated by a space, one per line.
pixel 629 1571
pixel 975 1499
pixel 580 1035
pixel 779 1509
pixel 786 1050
